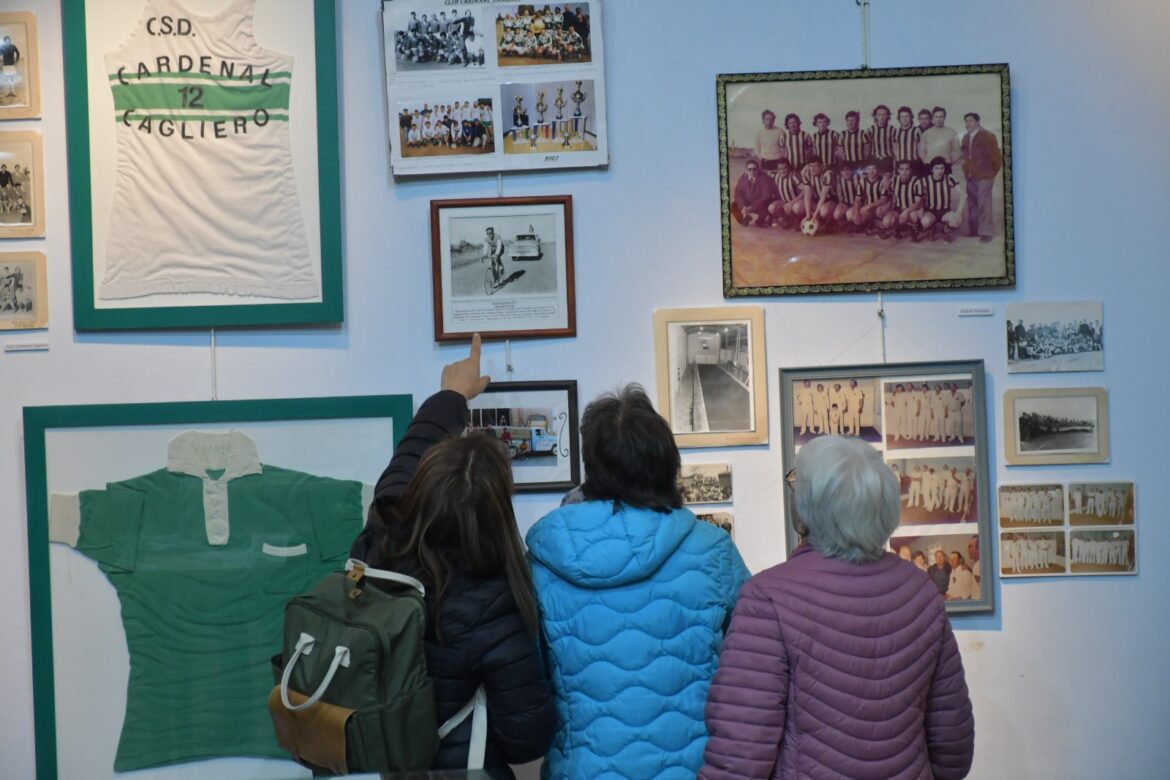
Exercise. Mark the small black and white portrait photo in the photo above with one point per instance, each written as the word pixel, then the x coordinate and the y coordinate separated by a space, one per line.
pixel 705 483
pixel 22 291
pixel 1103 552
pixel 1055 337
pixel 1032 553
pixel 426 37
pixel 937 490
pixel 19 90
pixel 838 406
pixel 1031 506
pixel 1100 503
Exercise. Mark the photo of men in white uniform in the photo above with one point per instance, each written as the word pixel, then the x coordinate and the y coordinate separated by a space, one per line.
pixel 937 490
pixel 928 413
pixel 1100 503
pixel 1031 506
pixel 1029 554
pixel 843 406
pixel 1103 552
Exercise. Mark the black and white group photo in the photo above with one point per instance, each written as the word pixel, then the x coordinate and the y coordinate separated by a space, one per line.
pixel 1030 553
pixel 950 560
pixel 1031 506
pixel 503 255
pixel 16 188
pixel 549 117
pixel 928 413
pixel 1055 337
pixel 18 290
pixel 1103 552
pixel 937 490
pixel 439 40
pixel 711 367
pixel 542 34
pixel 723 520
pixel 1100 503
pixel 446 127
pixel 838 406
pixel 705 483
pixel 1057 424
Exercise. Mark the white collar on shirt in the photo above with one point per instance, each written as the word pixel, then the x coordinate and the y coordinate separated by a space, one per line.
pixel 195 453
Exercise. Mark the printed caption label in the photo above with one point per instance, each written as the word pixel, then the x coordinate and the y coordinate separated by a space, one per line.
pixel 27 347
pixel 976 311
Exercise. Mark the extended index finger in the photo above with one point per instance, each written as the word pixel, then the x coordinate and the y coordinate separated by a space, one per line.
pixel 473 356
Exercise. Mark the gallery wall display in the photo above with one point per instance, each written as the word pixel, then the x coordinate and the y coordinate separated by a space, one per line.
pixel 173 116
pixel 929 422
pixel 1055 336
pixel 711 375
pixel 875 179
pixel 1056 425
pixel 494 86
pixel 20 93
pixel 159 529
pixel 537 423
pixel 24 299
pixel 503 267
pixel 22 185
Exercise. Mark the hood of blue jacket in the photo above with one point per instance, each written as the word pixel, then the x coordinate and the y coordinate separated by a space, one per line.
pixel 592 546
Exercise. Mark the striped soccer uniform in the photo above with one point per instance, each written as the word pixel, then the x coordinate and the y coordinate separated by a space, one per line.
pixel 824 143
pixel 881 140
pixel 853 146
pixel 906 142
pixel 937 192
pixel 871 191
pixel 819 183
pixel 905 192
pixel 797 145
pixel 846 186
pixel 789 187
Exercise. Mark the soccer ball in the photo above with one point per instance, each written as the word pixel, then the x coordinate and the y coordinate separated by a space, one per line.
pixel 810 226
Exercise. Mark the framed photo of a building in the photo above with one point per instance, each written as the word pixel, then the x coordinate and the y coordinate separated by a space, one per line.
pixel 24 299
pixel 537 423
pixel 711 375
pixel 20 93
pixel 173 119
pixel 929 422
pixel 22 185
pixel 1057 425
pixel 503 267
pixel 875 179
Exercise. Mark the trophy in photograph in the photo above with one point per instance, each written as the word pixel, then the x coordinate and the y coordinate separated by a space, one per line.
pixel 578 98
pixel 560 102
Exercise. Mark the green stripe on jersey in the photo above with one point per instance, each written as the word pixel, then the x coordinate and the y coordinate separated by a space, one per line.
pixel 257 75
pixel 213 97
pixel 137 116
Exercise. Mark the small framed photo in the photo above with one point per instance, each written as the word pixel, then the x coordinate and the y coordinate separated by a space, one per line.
pixel 1031 506
pixel 711 385
pixel 1058 425
pixel 1055 337
pixel 1100 503
pixel 537 422
pixel 705 483
pixel 1032 553
pixel 875 179
pixel 953 561
pixel 721 519
pixel 1107 551
pixel 22 185
pixel 20 93
pixel 24 300
pixel 503 267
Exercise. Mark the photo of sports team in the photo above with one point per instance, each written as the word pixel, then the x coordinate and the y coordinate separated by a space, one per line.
pixel 550 117
pixel 883 179
pixel 535 34
pixel 15 192
pixel 452 127
pixel 438 41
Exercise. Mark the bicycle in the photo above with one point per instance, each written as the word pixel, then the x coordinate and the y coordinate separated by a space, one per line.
pixel 493 275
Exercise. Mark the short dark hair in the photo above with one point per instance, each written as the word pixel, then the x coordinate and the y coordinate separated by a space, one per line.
pixel 791 116
pixel 938 161
pixel 819 117
pixel 853 113
pixel 767 111
pixel 923 112
pixel 971 115
pixel 879 107
pixel 936 109
pixel 905 110
pixel 629 452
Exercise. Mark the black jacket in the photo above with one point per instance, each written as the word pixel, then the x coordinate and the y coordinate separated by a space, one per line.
pixel 485 641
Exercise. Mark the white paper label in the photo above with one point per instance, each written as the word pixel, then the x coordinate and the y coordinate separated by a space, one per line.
pixel 27 347
pixel 976 311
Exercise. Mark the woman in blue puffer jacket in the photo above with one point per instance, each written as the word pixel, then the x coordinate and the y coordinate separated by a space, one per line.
pixel 635 595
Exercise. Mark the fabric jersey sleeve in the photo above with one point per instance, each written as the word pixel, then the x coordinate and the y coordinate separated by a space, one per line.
pixel 746 705
pixel 950 724
pixel 109 522
pixel 336 509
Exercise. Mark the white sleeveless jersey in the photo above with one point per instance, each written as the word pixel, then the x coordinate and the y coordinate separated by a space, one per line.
pixel 205 200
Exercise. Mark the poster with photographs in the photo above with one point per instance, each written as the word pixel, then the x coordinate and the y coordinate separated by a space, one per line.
pixel 705 483
pixel 876 179
pixel 929 422
pixel 537 423
pixel 1045 426
pixel 20 94
pixel 22 177
pixel 1055 337
pixel 493 86
pixel 24 300
pixel 711 385
pixel 503 267
pixel 722 519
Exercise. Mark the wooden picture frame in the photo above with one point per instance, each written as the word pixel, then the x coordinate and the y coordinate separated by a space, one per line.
pixel 1056 426
pixel 712 385
pixel 20 87
pixel 818 228
pixel 300 286
pixel 951 439
pixel 24 297
pixel 23 215
pixel 529 293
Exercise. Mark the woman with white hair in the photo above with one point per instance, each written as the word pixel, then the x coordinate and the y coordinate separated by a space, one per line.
pixel 840 661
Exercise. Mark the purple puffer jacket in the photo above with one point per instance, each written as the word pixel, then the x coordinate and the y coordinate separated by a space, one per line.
pixel 833 669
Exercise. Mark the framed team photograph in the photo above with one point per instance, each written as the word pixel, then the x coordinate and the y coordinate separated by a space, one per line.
pixel 445 127
pixel 1031 506
pixel 705 483
pixel 1065 336
pixel 172 120
pixel 20 93
pixel 875 179
pixel 954 563
pixel 22 185
pixel 1059 425
pixel 24 299
pixel 1033 553
pixel 503 267
pixel 539 34
pixel 537 422
pixel 1100 503
pixel 130 570
pixel 929 422
pixel 711 375
pixel 550 117
pixel 424 38
pixel 1108 551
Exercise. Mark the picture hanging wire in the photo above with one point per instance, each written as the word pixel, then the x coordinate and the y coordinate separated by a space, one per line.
pixel 864 6
pixel 500 184
pixel 214 370
pixel 881 313
pixel 508 357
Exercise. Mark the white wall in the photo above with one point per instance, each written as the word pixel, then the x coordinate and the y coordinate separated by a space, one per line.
pixel 1069 676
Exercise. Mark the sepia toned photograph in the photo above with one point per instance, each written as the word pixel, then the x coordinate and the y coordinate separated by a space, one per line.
pixel 705 483
pixel 928 413
pixel 1032 553
pixel 534 34
pixel 711 385
pixel 1055 337
pixel 1031 506
pixel 952 561
pixel 422 37
pixel 23 291
pixel 723 519
pixel 21 185
pixel 20 95
pixel 874 179
pixel 937 490
pixel 550 117
pixel 1100 503
pixel 841 407
pixel 503 267
pixel 1056 425
pixel 1103 552
pixel 444 128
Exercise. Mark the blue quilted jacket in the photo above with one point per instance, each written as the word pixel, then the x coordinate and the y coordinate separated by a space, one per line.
pixel 634 605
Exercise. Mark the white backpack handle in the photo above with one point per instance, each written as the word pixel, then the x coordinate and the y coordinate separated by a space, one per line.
pixel 477 708
pixel 384 574
pixel 305 647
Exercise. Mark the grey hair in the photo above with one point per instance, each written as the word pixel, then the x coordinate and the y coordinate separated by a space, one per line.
pixel 848 498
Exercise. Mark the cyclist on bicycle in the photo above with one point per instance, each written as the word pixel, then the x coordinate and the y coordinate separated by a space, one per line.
pixel 493 247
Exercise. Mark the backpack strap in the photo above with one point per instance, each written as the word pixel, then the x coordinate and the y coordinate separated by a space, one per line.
pixel 353 565
pixel 477 708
